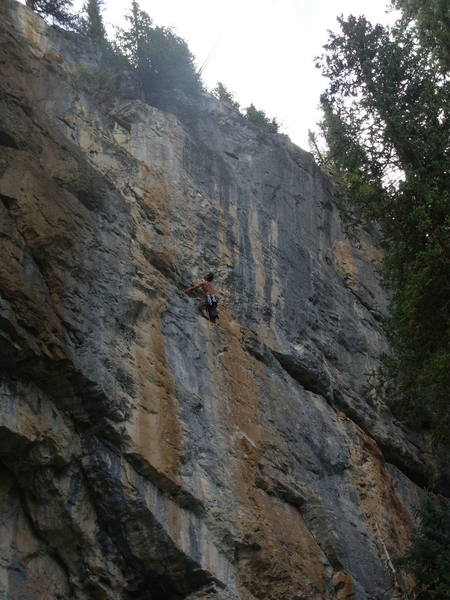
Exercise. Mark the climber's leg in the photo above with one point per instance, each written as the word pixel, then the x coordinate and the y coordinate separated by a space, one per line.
pixel 203 309
pixel 212 312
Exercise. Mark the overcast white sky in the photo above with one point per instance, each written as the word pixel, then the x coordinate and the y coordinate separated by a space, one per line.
pixel 262 50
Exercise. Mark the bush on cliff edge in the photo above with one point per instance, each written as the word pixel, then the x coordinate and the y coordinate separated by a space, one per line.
pixel 428 557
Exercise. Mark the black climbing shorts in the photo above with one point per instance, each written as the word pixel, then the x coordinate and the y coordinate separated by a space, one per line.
pixel 208 302
pixel 204 305
pixel 210 305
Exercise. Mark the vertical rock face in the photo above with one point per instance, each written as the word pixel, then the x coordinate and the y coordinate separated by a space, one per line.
pixel 145 453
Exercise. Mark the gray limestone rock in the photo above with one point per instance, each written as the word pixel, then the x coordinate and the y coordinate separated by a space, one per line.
pixel 144 452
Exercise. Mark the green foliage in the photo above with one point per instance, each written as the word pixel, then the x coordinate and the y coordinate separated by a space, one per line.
pixel 106 81
pixel 58 10
pixel 161 59
pixel 172 64
pixel 135 42
pixel 428 557
pixel 91 25
pixel 433 23
pixel 221 92
pixel 259 118
pixel 386 123
pixel 314 146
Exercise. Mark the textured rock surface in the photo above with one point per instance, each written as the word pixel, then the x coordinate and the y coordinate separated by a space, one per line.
pixel 144 453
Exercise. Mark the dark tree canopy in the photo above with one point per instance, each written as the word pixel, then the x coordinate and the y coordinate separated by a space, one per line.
pixel 259 117
pixel 222 93
pixel 162 59
pixel 386 124
pixel 428 557
pixel 432 18
pixel 91 25
pixel 58 10
pixel 135 42
pixel 172 64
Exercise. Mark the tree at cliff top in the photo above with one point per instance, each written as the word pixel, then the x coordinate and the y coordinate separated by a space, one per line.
pixel 386 123
pixel 223 94
pixel 172 63
pixel 428 556
pixel 111 75
pixel 135 42
pixel 91 24
pixel 58 10
pixel 161 59
pixel 259 117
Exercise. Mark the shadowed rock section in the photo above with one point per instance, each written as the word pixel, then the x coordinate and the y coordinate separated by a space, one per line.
pixel 145 454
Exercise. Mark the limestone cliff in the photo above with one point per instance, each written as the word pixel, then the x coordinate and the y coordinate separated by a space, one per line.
pixel 145 453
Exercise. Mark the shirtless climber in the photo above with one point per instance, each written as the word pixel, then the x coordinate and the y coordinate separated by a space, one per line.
pixel 208 306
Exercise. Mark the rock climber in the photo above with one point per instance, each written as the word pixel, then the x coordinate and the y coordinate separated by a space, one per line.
pixel 208 306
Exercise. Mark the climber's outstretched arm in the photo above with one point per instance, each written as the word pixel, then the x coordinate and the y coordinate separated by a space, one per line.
pixel 194 287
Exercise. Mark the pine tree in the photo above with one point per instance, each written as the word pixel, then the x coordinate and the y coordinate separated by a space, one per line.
pixel 172 64
pixel 92 24
pixel 135 42
pixel 58 10
pixel 259 117
pixel 428 556
pixel 222 93
pixel 161 59
pixel 387 126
